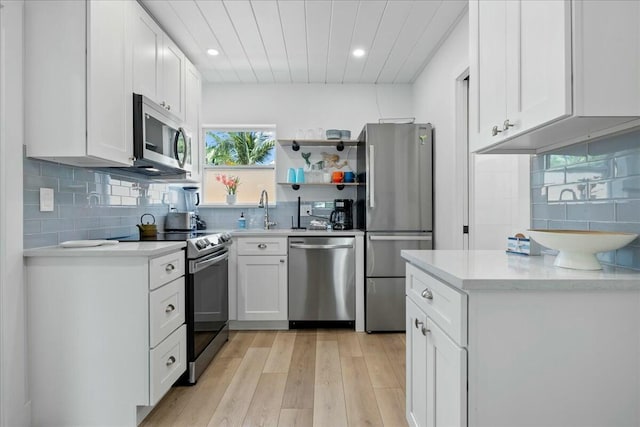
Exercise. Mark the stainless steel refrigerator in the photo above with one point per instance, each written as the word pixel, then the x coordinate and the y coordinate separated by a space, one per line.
pixel 395 208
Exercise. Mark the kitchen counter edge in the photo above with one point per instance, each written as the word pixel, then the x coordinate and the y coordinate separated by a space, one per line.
pixel 498 271
pixel 293 233
pixel 123 249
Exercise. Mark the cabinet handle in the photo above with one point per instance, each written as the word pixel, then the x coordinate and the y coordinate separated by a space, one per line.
pixel 163 104
pixel 169 268
pixel 168 107
pixel 495 130
pixel 169 308
pixel 262 246
pixel 282 261
pixel 506 125
pixel 425 331
pixel 418 323
pixel 133 158
pixel 426 294
pixel 171 361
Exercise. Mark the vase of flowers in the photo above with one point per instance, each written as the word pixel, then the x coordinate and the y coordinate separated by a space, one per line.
pixel 230 185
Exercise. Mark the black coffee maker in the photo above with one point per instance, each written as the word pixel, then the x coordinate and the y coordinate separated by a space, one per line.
pixel 342 217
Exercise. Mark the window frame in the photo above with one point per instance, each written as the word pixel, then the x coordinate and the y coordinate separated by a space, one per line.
pixel 237 128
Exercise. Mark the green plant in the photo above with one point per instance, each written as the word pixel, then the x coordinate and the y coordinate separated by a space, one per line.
pixel 239 148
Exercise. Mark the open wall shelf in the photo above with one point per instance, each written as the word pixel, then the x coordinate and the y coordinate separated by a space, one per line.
pixel 295 144
pixel 339 185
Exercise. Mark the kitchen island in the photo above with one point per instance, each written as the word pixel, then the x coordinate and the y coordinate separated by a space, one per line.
pixel 496 339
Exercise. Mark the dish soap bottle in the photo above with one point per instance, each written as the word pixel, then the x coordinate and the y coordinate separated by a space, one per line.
pixel 242 221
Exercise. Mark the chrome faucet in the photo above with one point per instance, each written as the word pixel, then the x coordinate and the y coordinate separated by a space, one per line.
pixel 264 203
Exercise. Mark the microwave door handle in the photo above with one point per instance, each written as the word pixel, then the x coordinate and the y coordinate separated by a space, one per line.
pixel 176 138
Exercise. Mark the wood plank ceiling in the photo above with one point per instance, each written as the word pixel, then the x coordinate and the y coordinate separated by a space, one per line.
pixel 308 41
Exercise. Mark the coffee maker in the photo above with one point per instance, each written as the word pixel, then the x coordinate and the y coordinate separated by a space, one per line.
pixel 342 217
pixel 192 200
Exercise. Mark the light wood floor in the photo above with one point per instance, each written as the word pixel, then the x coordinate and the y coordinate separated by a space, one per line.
pixel 325 378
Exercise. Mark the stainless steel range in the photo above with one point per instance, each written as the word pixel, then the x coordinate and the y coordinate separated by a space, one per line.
pixel 207 300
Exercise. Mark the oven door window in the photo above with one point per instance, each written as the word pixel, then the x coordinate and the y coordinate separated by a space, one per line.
pixel 210 303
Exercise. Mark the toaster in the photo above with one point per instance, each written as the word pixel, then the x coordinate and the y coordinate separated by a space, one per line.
pixel 180 221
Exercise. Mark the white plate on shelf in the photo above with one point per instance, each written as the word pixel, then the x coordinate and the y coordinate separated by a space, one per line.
pixel 87 243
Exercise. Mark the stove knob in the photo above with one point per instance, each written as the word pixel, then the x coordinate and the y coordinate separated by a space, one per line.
pixel 200 244
pixel 206 242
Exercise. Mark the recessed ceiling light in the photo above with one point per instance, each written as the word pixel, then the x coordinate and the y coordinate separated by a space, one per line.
pixel 358 53
pixel 213 52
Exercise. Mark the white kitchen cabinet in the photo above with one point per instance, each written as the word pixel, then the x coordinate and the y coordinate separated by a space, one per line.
pixel 546 346
pixel 262 287
pixel 78 86
pixel 106 332
pixel 436 366
pixel 539 68
pixel 193 107
pixel 262 278
pixel 159 66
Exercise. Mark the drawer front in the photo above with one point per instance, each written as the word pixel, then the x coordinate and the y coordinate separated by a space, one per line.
pixel 262 245
pixel 167 362
pixel 166 268
pixel 166 310
pixel 444 305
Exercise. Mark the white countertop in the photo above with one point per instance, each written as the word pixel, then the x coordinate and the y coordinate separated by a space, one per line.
pixel 253 232
pixel 497 270
pixel 122 249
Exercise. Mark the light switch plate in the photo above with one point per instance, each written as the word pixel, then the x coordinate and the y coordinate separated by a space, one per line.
pixel 305 210
pixel 46 200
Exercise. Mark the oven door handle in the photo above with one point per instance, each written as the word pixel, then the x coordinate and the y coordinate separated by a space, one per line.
pixel 201 265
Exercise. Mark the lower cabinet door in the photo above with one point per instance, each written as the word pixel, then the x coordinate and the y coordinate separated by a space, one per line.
pixel 262 287
pixel 416 366
pixel 167 362
pixel 446 380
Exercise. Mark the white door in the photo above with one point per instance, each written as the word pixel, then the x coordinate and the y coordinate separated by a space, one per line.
pixel 446 380
pixel 173 77
pixel 538 63
pixel 416 366
pixel 147 48
pixel 487 29
pixel 262 287
pixel 109 84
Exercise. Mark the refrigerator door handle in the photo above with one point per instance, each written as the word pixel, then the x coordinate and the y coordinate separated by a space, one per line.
pixel 401 238
pixel 372 177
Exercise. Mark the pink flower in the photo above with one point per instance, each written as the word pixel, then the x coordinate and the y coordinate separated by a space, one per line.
pixel 231 183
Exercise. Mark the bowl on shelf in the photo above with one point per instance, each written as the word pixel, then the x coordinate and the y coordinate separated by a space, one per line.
pixel 333 134
pixel 577 249
pixel 345 134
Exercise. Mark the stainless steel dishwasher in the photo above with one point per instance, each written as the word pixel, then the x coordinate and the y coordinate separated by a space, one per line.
pixel 322 280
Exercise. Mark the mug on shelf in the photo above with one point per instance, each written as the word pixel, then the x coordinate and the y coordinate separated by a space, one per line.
pixel 300 175
pixel 349 176
pixel 337 176
pixel 291 175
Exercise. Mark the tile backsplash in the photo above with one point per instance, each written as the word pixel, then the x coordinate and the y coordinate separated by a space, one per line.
pixel 100 204
pixel 591 186
pixel 88 203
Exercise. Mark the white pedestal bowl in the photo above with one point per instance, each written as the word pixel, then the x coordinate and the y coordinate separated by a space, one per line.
pixel 577 249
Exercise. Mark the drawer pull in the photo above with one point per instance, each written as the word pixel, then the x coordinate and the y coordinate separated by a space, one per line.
pixel 425 331
pixel 169 308
pixel 418 323
pixel 495 131
pixel 262 246
pixel 426 294
pixel 169 268
pixel 171 361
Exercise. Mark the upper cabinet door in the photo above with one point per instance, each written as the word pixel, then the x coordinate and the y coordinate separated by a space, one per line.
pixel 487 107
pixel 147 49
pixel 109 87
pixel 173 78
pixel 193 90
pixel 538 60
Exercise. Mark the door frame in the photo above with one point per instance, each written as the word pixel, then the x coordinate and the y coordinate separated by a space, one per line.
pixel 464 159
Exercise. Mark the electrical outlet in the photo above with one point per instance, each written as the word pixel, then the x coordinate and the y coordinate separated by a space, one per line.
pixel 305 210
pixel 46 200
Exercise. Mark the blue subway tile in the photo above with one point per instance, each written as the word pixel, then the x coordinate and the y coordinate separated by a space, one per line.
pixel 56 170
pixel 64 236
pixel 32 182
pixel 55 225
pixel 87 223
pixel 31 197
pixel 627 165
pixel 600 190
pixel 86 175
pixel 110 221
pixel 72 186
pixel 33 212
pixel 615 145
pixel 591 211
pixel 556 176
pixel 540 224
pixel 554 211
pixel 567 193
pixel 32 226
pixel 31 167
pixel 592 171
pixel 626 188
pixel 537 163
pixel 64 198
pixel 40 240
pixel 568 225
pixel 628 211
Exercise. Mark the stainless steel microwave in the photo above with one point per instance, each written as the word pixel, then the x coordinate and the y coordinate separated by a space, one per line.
pixel 161 145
